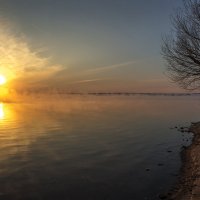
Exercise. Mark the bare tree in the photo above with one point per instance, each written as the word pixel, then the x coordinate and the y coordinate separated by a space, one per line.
pixel 181 49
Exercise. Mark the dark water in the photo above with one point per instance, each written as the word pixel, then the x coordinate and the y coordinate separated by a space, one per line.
pixel 92 148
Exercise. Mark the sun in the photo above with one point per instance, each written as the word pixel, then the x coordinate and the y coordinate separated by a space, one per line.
pixel 2 79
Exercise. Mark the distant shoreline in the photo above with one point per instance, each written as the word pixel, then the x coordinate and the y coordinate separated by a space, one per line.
pixel 62 92
pixel 188 186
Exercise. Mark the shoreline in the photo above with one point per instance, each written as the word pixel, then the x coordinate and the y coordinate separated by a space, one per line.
pixel 188 187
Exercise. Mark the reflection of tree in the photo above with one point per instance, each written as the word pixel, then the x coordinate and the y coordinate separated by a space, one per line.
pixel 181 49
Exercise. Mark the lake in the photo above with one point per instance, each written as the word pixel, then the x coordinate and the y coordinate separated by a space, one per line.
pixel 73 147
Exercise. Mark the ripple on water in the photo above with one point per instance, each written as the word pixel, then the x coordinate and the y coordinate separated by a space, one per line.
pixel 92 148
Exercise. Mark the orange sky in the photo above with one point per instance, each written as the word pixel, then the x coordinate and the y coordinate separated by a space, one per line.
pixel 81 51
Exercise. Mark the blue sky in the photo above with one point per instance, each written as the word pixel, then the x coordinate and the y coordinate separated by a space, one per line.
pixel 100 45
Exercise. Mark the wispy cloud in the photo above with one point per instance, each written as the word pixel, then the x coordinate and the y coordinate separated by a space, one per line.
pixel 110 67
pixel 93 74
pixel 88 81
pixel 19 60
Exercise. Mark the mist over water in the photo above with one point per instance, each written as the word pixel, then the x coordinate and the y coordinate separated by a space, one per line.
pixel 92 147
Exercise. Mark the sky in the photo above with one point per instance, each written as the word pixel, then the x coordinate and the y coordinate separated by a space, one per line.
pixel 86 45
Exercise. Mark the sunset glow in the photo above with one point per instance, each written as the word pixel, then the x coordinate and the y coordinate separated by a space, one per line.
pixel 1 111
pixel 2 79
pixel 94 96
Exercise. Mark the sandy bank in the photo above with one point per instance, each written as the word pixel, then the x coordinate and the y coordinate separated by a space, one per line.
pixel 189 184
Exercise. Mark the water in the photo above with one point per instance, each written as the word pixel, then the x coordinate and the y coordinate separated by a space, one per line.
pixel 94 148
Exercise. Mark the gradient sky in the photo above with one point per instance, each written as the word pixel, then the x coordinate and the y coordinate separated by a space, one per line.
pixel 88 45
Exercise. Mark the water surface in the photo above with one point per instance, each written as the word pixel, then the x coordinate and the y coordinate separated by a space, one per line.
pixel 94 148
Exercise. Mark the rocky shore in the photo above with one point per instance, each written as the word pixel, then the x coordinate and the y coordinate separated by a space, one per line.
pixel 188 187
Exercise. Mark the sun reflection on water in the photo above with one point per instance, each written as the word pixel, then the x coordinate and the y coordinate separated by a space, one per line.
pixel 7 114
pixel 2 113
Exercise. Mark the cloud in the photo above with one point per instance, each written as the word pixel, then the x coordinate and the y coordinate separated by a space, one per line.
pixel 88 80
pixel 110 67
pixel 20 63
pixel 72 76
